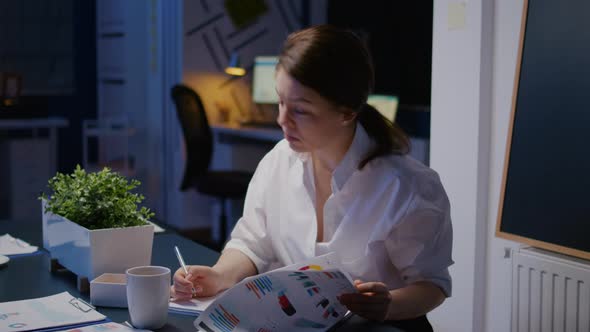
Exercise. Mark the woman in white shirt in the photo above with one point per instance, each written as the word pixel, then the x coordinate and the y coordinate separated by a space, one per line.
pixel 340 181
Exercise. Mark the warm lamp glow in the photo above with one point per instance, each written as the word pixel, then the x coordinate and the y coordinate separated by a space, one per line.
pixel 235 71
pixel 233 68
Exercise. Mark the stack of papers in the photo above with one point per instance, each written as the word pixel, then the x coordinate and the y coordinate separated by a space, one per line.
pixel 110 327
pixel 13 246
pixel 59 310
pixel 193 306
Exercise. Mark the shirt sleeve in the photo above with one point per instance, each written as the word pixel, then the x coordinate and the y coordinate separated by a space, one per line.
pixel 251 235
pixel 420 245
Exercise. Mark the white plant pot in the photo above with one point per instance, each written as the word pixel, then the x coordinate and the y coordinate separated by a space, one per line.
pixel 90 253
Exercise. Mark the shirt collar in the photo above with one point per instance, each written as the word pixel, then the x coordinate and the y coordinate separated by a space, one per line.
pixel 358 150
pixel 360 147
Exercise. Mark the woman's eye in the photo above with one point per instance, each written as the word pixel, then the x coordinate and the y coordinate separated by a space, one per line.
pixel 299 111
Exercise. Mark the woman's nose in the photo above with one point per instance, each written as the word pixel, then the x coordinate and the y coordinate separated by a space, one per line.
pixel 282 119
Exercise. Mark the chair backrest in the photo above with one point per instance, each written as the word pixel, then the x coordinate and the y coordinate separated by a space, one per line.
pixel 196 131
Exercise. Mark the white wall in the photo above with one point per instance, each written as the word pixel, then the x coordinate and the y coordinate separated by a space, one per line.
pixel 507 20
pixel 459 147
pixel 472 81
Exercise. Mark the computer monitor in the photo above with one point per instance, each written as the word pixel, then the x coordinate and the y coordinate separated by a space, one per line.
pixel 385 104
pixel 263 80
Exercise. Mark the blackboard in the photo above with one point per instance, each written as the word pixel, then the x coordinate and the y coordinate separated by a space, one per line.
pixel 546 187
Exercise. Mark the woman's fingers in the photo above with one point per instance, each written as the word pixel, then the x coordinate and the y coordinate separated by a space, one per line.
pixel 175 294
pixel 199 281
pixel 375 287
pixel 371 302
pixel 181 281
pixel 369 292
pixel 183 285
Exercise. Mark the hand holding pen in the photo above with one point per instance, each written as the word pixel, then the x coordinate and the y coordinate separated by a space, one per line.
pixel 194 280
pixel 183 265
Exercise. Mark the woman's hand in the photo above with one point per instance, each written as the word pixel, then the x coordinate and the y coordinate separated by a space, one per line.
pixel 371 302
pixel 232 266
pixel 205 281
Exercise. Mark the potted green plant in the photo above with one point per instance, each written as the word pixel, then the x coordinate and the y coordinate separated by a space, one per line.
pixel 92 224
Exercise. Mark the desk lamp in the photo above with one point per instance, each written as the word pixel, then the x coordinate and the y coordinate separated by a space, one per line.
pixel 233 68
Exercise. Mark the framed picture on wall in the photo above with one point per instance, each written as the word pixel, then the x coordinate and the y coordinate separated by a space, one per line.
pixel 10 88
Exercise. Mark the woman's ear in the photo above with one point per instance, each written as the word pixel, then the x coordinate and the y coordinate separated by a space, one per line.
pixel 347 117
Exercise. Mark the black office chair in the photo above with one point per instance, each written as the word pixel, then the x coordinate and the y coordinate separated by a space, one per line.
pixel 199 150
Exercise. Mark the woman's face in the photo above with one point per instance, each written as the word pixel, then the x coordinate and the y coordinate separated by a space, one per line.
pixel 309 121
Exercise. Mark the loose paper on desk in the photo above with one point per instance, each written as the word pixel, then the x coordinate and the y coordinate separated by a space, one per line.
pixel 13 246
pixel 110 327
pixel 52 311
pixel 193 306
pixel 300 297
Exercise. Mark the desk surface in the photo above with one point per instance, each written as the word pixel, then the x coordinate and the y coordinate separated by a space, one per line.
pixel 29 277
pixel 56 122
pixel 260 133
pixel 420 147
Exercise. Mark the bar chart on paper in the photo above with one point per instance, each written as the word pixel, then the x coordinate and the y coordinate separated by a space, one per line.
pixel 222 319
pixel 260 286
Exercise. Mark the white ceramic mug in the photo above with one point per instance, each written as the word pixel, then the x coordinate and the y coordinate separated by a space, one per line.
pixel 148 294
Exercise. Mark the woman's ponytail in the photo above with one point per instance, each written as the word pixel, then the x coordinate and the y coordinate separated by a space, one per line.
pixel 390 138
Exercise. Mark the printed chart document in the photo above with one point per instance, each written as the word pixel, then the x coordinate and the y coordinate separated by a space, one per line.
pixel 196 306
pixel 47 312
pixel 298 297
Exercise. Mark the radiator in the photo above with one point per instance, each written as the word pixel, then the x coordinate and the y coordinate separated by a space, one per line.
pixel 550 292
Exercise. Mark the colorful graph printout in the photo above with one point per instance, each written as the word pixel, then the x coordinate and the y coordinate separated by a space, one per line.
pixel 222 319
pixel 260 286
pixel 310 267
pixel 302 297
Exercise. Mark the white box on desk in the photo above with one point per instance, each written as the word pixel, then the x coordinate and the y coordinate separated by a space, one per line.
pixel 109 290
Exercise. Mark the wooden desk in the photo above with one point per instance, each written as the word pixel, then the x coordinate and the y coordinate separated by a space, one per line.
pixel 29 277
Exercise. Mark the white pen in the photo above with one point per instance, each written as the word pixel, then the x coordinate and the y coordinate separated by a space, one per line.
pixel 181 261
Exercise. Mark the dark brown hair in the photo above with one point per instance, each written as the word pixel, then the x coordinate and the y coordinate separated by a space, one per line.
pixel 336 64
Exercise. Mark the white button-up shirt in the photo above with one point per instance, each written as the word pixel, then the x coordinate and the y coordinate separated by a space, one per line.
pixel 389 222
